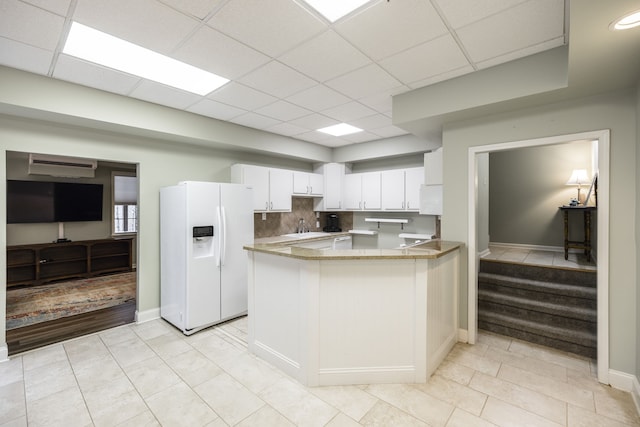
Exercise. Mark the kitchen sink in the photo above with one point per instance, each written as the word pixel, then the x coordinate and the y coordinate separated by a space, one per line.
pixel 308 235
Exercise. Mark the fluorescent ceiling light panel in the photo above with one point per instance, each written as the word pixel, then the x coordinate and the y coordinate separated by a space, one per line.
pixel 340 129
pixel 95 46
pixel 335 9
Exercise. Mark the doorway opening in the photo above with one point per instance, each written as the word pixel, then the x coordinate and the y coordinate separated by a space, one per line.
pixel 477 223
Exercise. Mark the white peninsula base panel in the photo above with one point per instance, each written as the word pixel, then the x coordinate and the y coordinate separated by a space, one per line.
pixel 353 321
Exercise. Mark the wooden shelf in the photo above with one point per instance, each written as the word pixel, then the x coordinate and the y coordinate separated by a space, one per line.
pixel 29 265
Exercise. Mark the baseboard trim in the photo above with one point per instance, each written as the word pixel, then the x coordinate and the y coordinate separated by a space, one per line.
pixel 635 393
pixel 4 352
pixel 147 315
pixel 463 335
pixel 621 380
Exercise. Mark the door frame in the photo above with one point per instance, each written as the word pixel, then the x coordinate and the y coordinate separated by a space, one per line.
pixel 603 139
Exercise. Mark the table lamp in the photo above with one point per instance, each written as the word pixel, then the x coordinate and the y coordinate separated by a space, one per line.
pixel 579 177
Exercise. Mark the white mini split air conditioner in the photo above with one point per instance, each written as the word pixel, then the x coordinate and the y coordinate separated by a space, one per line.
pixel 71 167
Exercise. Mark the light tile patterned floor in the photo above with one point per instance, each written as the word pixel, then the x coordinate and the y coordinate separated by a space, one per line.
pixel 150 374
pixel 540 257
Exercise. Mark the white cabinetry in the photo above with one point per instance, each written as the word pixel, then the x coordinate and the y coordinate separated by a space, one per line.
pixel 307 184
pixel 272 188
pixel 433 167
pixel 401 189
pixel 333 175
pixel 362 191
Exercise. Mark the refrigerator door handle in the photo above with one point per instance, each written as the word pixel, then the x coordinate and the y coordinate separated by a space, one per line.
pixel 220 236
pixel 223 239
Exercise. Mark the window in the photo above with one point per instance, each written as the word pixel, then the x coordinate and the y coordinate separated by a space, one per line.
pixel 125 203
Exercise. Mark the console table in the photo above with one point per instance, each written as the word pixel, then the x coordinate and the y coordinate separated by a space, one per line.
pixel 48 262
pixel 584 244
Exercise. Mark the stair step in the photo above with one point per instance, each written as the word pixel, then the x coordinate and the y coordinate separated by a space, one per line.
pixel 581 338
pixel 586 278
pixel 556 309
pixel 555 288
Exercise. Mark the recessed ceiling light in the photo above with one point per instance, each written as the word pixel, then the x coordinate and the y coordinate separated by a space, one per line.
pixel 340 129
pixel 335 9
pixel 95 46
pixel 627 21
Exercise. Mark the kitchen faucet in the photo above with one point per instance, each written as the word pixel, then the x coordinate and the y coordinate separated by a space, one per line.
pixel 302 228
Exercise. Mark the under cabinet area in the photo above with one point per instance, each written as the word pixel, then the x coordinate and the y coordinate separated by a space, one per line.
pixel 48 262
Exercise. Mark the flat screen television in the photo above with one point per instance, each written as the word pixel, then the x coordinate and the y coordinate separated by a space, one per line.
pixel 38 201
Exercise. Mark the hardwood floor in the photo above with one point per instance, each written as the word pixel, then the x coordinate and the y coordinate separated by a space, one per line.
pixel 45 333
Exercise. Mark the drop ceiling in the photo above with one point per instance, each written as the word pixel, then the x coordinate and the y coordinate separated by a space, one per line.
pixel 291 71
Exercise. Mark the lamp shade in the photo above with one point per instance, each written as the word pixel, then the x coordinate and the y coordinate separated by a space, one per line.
pixel 579 177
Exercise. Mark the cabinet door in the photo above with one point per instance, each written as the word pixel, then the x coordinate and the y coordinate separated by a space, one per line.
pixel 333 188
pixel 371 183
pixel 280 189
pixel 433 167
pixel 258 178
pixel 316 184
pixel 300 182
pixel 413 179
pixel 353 191
pixel 393 190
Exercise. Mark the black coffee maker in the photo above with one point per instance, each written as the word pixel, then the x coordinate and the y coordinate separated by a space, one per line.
pixel 333 225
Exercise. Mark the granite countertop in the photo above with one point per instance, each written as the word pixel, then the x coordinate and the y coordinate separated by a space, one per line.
pixel 282 246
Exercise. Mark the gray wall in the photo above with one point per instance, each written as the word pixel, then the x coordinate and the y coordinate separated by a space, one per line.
pixel 527 186
pixel 615 111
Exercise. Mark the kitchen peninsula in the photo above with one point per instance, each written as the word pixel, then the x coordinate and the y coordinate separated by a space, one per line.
pixel 353 316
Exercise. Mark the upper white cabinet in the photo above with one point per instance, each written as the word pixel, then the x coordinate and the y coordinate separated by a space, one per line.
pixel 433 167
pixel 308 184
pixel 362 191
pixel 333 175
pixel 272 188
pixel 401 189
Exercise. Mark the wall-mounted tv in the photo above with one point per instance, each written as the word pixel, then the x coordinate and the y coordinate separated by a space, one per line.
pixel 39 201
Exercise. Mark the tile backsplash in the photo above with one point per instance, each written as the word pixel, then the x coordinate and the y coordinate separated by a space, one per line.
pixel 279 223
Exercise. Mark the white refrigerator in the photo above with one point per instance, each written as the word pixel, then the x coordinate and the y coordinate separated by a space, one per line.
pixel 203 268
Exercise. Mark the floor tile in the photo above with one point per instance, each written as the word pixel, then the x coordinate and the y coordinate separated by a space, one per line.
pixel 144 419
pixel 48 379
pixel 13 406
pixel 383 414
pixel 94 373
pixel 297 404
pixel 461 418
pixel 618 405
pixel 151 376
pixel 253 373
pixel 579 417
pixel 521 397
pixel 17 422
pixel 350 400
pixel 85 348
pixel 503 414
pixel 456 394
pixel 114 402
pixel 342 420
pixel 455 372
pixel 66 408
pixel 413 401
pixel 473 361
pixel 117 335
pixel 550 355
pixel 179 405
pixel 266 416
pixel 43 356
pixel 11 371
pixel 168 345
pixel 131 351
pixel 493 340
pixel 193 367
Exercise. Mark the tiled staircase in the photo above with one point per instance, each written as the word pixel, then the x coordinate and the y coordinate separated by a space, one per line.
pixel 550 306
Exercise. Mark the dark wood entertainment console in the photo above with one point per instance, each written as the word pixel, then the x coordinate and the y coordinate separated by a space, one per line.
pixel 48 262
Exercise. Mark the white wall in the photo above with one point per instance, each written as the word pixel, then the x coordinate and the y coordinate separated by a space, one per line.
pixel 615 111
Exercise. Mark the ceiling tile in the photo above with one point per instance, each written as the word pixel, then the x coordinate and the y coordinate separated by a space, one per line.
pixel 360 137
pixel 528 24
pixel 389 132
pixel 314 136
pixel 147 23
pixel 283 110
pixel 318 98
pixel 426 60
pixel 59 7
pixel 325 57
pixel 30 25
pixel 272 27
pixel 314 121
pixel 196 8
pixel 254 120
pixel 87 74
pixel 217 110
pixel 241 96
pixel 372 122
pixel 442 77
pixel 364 82
pixel 164 95
pixel 520 53
pixel 286 129
pixel 390 27
pixel 278 80
pixel 24 57
pixel 213 51
pixel 463 12
pixel 382 101
pixel 350 111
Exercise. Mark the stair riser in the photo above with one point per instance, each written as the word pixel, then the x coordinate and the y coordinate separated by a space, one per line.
pixel 541 296
pixel 545 274
pixel 536 316
pixel 586 351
